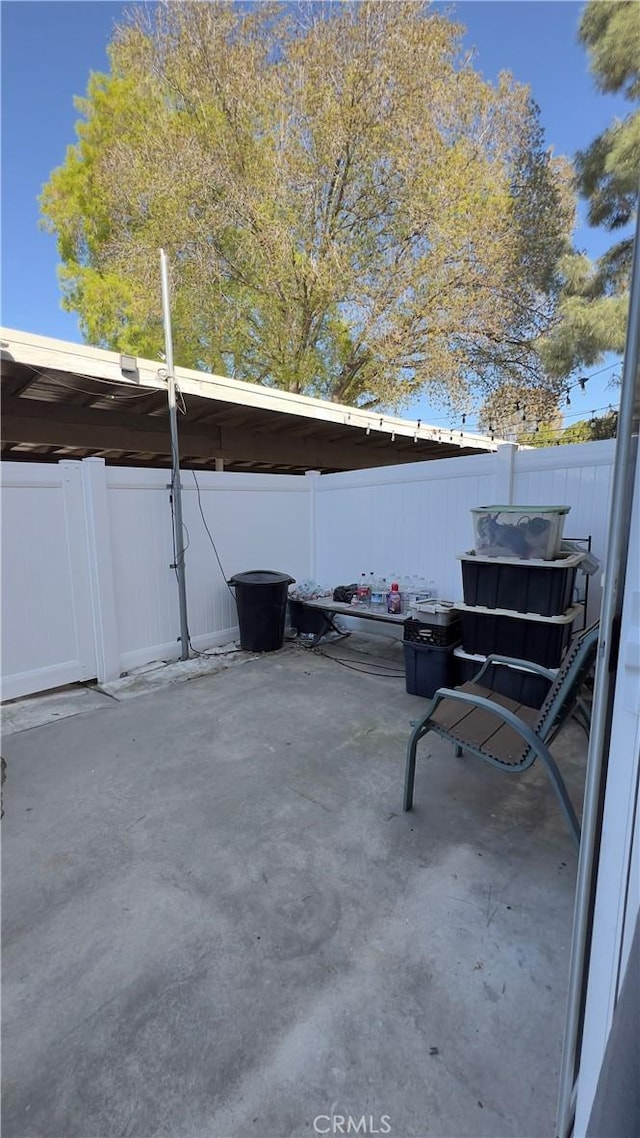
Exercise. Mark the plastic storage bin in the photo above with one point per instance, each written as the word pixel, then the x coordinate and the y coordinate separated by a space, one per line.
pixel 543 587
pixel 425 632
pixel 261 597
pixel 519 531
pixel 427 668
pixel 524 687
pixel 435 612
pixel 541 639
pixel 303 619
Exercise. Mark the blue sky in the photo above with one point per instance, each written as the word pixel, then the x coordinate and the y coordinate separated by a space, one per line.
pixel 49 49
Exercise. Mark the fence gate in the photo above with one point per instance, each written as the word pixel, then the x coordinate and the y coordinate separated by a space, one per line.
pixel 47 623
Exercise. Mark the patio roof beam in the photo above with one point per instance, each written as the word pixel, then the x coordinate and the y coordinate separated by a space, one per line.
pixel 29 420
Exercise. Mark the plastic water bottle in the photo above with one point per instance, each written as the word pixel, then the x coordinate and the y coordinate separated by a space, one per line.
pixel 378 593
pixel 384 589
pixel 364 591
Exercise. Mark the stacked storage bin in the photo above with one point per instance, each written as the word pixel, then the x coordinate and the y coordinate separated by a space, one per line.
pixel 518 589
pixel 429 642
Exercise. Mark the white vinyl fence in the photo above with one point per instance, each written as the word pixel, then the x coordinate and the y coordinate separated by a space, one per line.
pixel 414 520
pixel 47 624
pixel 88 588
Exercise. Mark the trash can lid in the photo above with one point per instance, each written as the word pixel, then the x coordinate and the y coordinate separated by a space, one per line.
pixel 261 577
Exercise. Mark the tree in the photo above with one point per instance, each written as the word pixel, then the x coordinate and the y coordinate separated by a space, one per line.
pixel 351 211
pixel 513 412
pixel 547 434
pixel 594 302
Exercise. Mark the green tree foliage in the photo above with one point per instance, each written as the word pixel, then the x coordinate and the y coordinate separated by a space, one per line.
pixel 594 302
pixel 513 412
pixel 547 434
pixel 350 209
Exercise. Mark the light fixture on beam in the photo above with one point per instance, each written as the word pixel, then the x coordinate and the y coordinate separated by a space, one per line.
pixel 128 364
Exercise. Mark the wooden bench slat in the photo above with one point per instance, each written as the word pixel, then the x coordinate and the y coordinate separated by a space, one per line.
pixel 479 728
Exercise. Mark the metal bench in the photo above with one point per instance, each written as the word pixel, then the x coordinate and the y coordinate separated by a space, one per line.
pixel 507 734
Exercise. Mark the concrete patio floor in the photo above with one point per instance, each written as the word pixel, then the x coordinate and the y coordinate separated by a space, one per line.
pixel 218 921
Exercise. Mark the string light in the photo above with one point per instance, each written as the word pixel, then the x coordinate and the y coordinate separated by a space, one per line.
pixel 520 408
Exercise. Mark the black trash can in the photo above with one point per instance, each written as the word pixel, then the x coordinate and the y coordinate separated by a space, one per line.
pixel 261 597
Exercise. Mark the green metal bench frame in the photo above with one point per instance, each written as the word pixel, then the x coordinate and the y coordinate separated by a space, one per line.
pixel 563 700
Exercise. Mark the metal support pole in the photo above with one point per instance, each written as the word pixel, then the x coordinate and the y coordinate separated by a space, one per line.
pixel 610 614
pixel 176 488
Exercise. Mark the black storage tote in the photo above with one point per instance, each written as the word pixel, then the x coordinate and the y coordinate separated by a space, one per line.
pixel 427 668
pixel 515 683
pixel 543 587
pixel 527 636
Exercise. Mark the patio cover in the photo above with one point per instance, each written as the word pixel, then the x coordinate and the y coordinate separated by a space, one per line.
pixel 64 400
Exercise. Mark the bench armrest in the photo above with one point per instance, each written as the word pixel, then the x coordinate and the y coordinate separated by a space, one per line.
pixel 514 662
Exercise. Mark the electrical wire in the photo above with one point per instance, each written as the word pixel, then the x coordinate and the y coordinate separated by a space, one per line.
pixel 120 398
pixel 181 405
pixel 465 427
pixel 360 668
pixel 204 522
pixel 581 383
pixel 382 661
pixel 196 651
pixel 358 665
